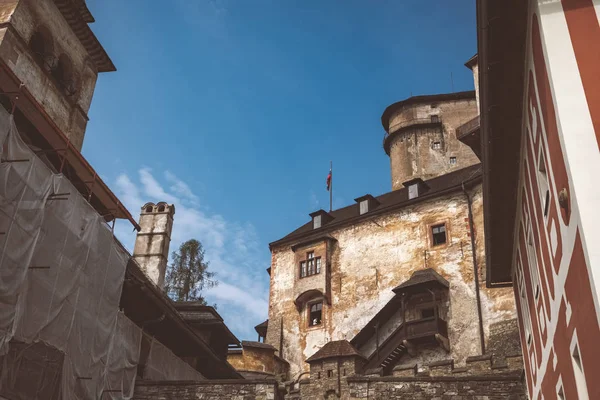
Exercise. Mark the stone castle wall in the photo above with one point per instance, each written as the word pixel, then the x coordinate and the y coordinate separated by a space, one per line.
pixel 482 376
pixel 265 389
pixel 369 259
pixel 412 151
pixel 22 19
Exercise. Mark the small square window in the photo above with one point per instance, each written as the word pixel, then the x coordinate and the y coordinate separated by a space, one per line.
pixel 452 160
pixel 436 145
pixel 435 119
pixel 438 234
pixel 316 313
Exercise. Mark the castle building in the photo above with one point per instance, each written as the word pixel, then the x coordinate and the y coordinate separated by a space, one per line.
pixel 540 131
pixel 399 276
pixel 80 318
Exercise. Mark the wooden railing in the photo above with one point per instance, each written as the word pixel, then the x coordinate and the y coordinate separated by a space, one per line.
pixel 409 330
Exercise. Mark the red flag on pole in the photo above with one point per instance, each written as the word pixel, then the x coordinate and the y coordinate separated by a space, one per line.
pixel 329 180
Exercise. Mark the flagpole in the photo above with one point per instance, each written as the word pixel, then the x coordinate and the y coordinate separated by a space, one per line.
pixel 331 186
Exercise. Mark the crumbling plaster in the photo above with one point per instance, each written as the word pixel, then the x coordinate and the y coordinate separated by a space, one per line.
pixel 412 154
pixel 368 260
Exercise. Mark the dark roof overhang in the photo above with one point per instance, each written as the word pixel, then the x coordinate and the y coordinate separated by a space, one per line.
pixel 78 16
pixel 261 328
pixel 307 296
pixel 501 33
pixel 422 280
pixel 201 316
pixel 55 144
pixel 470 134
pixel 472 62
pixel 148 307
pixel 335 349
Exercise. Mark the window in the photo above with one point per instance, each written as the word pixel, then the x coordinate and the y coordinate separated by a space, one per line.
pixel 436 145
pixel 149 209
pixel 329 373
pixel 310 266
pixel 161 208
pixel 427 313
pixel 413 191
pixel 438 234
pixel 41 46
pixel 315 315
pixel 435 119
pixel 317 222
pixel 318 375
pixel 63 74
pixel 452 160
pixel 364 207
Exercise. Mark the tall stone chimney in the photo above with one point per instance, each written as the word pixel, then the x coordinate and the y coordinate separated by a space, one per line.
pixel 151 249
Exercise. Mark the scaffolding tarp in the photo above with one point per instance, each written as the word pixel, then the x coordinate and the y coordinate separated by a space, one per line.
pixel 61 277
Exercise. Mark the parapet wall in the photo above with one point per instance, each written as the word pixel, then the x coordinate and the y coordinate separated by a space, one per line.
pixel 487 376
pixel 215 389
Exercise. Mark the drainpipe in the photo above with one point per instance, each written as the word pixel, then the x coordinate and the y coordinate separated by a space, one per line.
pixel 475 268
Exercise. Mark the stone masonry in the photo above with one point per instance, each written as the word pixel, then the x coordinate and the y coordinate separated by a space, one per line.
pixel 266 389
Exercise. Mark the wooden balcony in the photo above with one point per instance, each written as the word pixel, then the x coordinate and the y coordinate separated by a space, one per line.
pixel 407 336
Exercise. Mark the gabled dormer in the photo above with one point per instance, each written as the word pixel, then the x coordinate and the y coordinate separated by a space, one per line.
pixel 366 204
pixel 320 218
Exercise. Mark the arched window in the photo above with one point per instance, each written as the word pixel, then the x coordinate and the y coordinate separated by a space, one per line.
pixel 149 209
pixel 63 74
pixel 42 48
pixel 161 208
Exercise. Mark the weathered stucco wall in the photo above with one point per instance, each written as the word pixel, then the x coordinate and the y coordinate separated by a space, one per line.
pixel 412 151
pixel 372 257
pixel 253 359
pixel 68 111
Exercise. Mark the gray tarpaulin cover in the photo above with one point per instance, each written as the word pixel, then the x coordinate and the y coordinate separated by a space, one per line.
pixel 61 276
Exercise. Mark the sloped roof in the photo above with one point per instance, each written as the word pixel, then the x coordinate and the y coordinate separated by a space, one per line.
pixel 338 348
pixel 421 277
pixel 387 202
pixel 258 345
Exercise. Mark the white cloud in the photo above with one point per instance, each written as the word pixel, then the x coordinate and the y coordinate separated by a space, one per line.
pixel 232 248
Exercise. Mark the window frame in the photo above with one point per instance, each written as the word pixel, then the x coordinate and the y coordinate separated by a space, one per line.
pixel 453 160
pixel 310 266
pixel 431 227
pixel 309 307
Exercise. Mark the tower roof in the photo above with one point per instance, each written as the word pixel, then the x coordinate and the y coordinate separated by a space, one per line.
pixel 338 348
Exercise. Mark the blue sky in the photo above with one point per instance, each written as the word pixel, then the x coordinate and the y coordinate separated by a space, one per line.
pixel 232 109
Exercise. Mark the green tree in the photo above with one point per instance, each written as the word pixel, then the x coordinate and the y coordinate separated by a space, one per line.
pixel 188 275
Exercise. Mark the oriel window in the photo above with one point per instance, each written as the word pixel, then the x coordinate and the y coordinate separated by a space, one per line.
pixel 310 266
pixel 315 314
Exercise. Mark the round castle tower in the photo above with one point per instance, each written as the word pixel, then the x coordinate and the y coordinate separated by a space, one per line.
pixel 421 137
